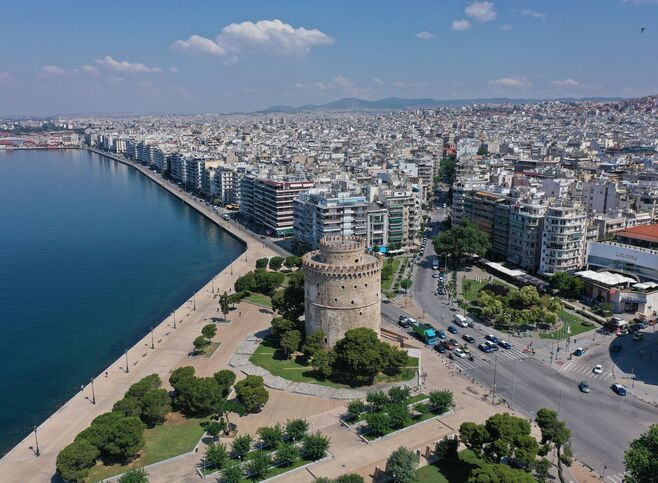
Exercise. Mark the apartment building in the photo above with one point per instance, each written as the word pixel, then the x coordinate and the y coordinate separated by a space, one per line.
pixel 526 223
pixel 563 238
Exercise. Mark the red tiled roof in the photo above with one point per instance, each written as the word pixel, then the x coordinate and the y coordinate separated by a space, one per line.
pixel 642 232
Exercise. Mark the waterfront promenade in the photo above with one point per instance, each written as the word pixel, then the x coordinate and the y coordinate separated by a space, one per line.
pixel 172 349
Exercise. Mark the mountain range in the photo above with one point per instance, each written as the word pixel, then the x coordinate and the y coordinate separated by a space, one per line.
pixel 399 103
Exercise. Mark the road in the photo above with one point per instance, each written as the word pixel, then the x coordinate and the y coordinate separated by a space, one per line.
pixel 602 424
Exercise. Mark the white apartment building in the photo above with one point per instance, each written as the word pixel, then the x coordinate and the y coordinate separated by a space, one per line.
pixel 563 239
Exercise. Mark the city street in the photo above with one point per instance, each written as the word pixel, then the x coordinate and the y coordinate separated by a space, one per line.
pixel 602 423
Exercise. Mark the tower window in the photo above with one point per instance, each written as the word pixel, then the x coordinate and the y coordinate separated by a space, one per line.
pixel 343 287
pixel 352 302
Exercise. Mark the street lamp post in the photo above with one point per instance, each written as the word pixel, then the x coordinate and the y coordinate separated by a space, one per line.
pixel 36 441
pixel 174 315
pixel 212 283
pixel 93 393
pixel 152 339
pixel 194 301
pixel 127 368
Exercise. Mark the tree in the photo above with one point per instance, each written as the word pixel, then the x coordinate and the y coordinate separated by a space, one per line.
pixel 251 393
pixel 281 325
pixel 509 436
pixel 262 263
pixel 401 465
pixel 463 239
pixel 568 286
pixel 224 305
pixel 74 461
pixel 447 447
pixel 296 429
pixel 313 344
pixel 216 455
pixel 641 458
pixel 379 424
pixel 144 385
pixel 359 356
pixel 447 169
pixel 441 401
pixel 225 379
pixel 98 433
pixel 123 439
pixel 349 478
pixel 322 363
pixel 213 428
pixel 224 408
pixel 286 454
pixel 474 436
pixel 276 263
pixel 209 331
pixel 556 434
pixel 356 407
pixel 197 396
pixel 398 415
pixel 405 284
pixel 293 261
pixel 315 446
pixel 399 394
pixel 232 474
pixel 156 404
pixel 290 342
pixel 258 465
pixel 270 436
pixel 200 343
pixel 289 302
pixel 542 467
pixel 179 374
pixel 377 400
pixel 128 406
pixel 241 445
pixel 136 475
pixel 496 473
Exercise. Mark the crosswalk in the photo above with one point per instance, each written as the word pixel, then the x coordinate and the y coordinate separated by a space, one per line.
pixel 581 369
pixel 482 359
pixel 616 478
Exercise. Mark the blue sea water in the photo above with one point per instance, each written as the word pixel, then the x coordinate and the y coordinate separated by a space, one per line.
pixel 92 254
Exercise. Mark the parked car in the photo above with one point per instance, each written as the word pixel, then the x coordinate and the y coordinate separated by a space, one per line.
pixel 440 349
pixel 504 344
pixel 583 386
pixel 459 353
pixel 404 321
pixel 598 369
pixel 442 335
pixel 453 330
pixel 619 389
pixel 579 352
pixel 466 349
pixel 447 345
pixel 492 338
pixel 435 275
pixel 638 336
pixel 454 342
pixel 468 338
pixel 485 348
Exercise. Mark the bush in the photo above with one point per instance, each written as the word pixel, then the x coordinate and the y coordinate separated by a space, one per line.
pixel 74 461
pixel 261 263
pixel 296 429
pixel 136 475
pixel 270 436
pixel 276 263
pixel 377 400
pixel 232 474
pixel 356 407
pixel 349 478
pixel 241 445
pixel 398 415
pixel 200 343
pixel 399 394
pixel 315 446
pixel 258 465
pixel 441 401
pixel 293 261
pixel 286 454
pixel 251 393
pixel 217 455
pixel 378 423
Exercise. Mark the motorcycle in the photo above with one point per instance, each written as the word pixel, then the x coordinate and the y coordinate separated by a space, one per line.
pixel 450 356
pixel 471 358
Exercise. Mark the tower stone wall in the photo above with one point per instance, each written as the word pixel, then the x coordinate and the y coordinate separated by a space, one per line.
pixel 342 288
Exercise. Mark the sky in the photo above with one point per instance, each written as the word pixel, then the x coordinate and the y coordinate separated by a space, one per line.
pixel 195 56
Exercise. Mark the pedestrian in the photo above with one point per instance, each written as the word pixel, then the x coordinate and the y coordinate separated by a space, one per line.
pixel 82 387
pixel 105 373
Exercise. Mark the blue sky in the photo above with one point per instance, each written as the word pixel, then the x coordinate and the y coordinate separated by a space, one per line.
pixel 70 57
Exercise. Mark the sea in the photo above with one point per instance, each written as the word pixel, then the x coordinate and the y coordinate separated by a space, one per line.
pixel 92 254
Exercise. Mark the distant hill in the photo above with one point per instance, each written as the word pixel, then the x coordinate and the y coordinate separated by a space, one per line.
pixel 399 103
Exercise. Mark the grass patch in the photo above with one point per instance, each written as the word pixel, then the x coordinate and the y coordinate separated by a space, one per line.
pixel 416 398
pixel 472 289
pixel 175 436
pixel 259 299
pixel 418 418
pixel 210 350
pixel 575 323
pixel 270 358
pixel 272 472
pixel 450 469
pixel 395 263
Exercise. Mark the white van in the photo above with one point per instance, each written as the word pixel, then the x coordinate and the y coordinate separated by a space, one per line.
pixel 460 320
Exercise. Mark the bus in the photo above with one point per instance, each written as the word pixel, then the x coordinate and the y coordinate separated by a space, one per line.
pixel 435 263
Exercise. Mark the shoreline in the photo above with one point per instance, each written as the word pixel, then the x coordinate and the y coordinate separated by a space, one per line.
pixel 77 412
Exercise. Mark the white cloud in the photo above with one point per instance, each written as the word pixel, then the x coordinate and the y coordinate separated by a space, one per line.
pixel 507 27
pixel 272 37
pixel 125 66
pixel 532 13
pixel 424 35
pixel 481 11
pixel 377 80
pixel 567 83
pixel 339 84
pixel 53 70
pixel 90 69
pixel 512 81
pixel 461 25
pixel 405 84
pixel 341 81
pixel 173 70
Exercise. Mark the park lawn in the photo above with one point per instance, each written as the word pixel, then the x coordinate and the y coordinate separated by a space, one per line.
pixel 450 469
pixel 473 291
pixel 177 435
pixel 210 350
pixel 418 418
pixel 576 325
pixel 386 282
pixel 407 372
pixel 259 299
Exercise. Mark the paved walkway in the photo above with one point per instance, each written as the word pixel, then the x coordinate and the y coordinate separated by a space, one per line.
pixel 172 349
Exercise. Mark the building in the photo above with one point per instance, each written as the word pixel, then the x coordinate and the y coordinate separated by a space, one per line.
pixel 563 239
pixel 318 215
pixel 526 223
pixel 376 226
pixel 404 214
pixel 269 202
pixel 341 288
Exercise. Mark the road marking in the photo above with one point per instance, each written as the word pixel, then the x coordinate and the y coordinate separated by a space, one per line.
pixel 584 370
pixel 616 478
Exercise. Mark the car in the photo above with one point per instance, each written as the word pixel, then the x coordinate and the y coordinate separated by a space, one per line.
pixel 504 344
pixel 598 369
pixel 579 352
pixel 444 205
pixel 459 353
pixel 466 349
pixel 583 386
pixel 453 330
pixel 435 275
pixel 454 342
pixel 447 345
pixel 617 348
pixel 440 349
pixel 619 389
pixel 442 335
pixel 485 348
pixel 441 290
pixel 468 338
pixel 492 338
pixel 493 346
pixel 638 336
pixel 404 321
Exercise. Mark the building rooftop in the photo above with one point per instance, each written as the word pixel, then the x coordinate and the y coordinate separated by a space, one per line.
pixel 642 232
pixel 605 278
